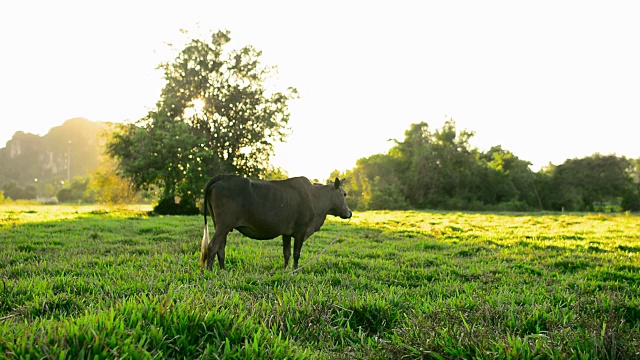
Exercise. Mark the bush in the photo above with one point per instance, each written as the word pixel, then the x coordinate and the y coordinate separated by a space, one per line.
pixel 631 198
pixel 170 207
pixel 65 195
pixel 511 206
pixel 387 199
pixel 75 192
pixel 460 204
pixel 384 194
pixel 14 191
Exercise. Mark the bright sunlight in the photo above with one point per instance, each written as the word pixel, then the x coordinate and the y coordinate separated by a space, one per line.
pixel 196 109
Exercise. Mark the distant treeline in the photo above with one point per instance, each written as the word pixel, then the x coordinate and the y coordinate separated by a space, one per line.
pixel 427 170
pixel 439 170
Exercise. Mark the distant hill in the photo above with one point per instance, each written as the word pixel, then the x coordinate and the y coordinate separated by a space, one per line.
pixel 27 157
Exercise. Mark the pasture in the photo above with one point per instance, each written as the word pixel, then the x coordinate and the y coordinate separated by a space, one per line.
pixel 93 282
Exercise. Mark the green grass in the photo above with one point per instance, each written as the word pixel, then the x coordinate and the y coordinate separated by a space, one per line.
pixel 91 282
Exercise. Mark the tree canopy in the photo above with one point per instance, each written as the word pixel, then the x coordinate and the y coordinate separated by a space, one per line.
pixel 215 115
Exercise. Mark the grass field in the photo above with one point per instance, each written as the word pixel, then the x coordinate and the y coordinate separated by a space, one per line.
pixel 87 282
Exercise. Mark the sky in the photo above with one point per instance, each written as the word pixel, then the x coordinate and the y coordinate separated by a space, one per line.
pixel 547 80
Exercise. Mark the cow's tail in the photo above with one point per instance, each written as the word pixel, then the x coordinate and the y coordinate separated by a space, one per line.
pixel 205 245
pixel 205 237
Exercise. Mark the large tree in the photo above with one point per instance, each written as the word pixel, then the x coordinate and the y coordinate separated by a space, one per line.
pixel 215 115
pixel 586 183
pixel 439 169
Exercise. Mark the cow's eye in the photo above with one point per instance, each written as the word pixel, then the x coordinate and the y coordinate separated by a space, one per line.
pixel 345 194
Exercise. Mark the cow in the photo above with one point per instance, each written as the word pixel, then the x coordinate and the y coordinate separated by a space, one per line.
pixel 263 210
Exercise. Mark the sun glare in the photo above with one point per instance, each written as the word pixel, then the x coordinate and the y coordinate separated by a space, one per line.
pixel 196 108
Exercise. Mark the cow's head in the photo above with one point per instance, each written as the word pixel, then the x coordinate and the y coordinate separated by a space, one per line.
pixel 338 201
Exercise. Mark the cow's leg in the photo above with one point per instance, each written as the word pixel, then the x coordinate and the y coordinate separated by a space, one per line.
pixel 297 246
pixel 219 239
pixel 221 252
pixel 286 249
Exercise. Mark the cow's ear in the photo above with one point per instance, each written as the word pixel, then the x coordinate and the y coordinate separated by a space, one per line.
pixel 336 184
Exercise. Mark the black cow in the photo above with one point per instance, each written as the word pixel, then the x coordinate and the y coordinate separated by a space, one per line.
pixel 263 210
